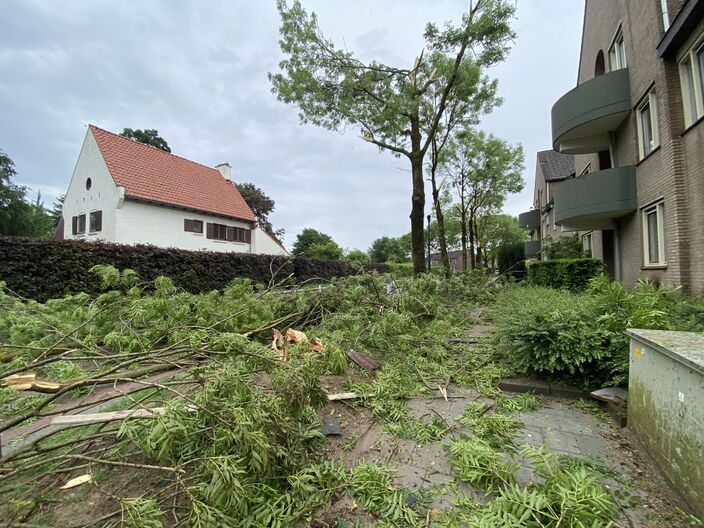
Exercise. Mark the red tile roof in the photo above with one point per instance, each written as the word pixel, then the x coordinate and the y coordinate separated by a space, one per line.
pixel 151 174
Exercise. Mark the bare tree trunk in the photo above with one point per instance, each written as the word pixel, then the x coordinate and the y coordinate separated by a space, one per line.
pixel 438 211
pixel 463 237
pixel 417 200
pixel 479 246
pixel 472 258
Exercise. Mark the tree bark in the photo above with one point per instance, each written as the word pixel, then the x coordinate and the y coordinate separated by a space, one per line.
pixel 441 226
pixel 417 199
pixel 463 230
pixel 479 247
pixel 472 259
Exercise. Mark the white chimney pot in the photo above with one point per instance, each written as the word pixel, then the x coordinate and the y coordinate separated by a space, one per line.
pixel 225 170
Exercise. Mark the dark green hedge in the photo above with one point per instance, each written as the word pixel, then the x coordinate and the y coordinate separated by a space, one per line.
pixel 511 259
pixel 569 274
pixel 46 269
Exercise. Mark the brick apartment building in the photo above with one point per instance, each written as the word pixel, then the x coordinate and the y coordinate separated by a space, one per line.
pixel 634 126
pixel 551 170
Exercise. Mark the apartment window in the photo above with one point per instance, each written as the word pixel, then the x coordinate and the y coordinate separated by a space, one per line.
pixel 654 235
pixel 193 226
pixel 588 243
pixel 665 16
pixel 617 52
pixel 648 139
pixel 692 81
pixel 96 221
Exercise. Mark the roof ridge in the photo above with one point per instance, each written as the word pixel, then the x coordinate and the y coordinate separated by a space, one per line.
pixel 91 126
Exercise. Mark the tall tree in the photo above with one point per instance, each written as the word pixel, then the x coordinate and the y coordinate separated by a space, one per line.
pixel 261 205
pixel 15 213
pixel 396 109
pixel 311 243
pixel 148 136
pixel 495 230
pixel 483 169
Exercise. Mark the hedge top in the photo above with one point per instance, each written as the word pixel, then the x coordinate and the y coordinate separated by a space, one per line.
pixel 47 269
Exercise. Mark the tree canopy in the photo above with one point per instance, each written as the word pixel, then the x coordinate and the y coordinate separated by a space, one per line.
pixel 18 216
pixel 398 109
pixel 148 136
pixel 311 243
pixel 261 205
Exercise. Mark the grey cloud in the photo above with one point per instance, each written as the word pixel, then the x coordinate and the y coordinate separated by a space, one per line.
pixel 197 72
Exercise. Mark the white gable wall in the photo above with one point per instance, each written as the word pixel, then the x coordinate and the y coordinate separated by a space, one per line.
pixel 163 226
pixel 103 195
pixel 264 244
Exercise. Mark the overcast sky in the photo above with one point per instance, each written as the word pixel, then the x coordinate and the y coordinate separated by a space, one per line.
pixel 197 72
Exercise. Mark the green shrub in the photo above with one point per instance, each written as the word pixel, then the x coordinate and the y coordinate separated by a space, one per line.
pixel 48 269
pixel 581 336
pixel 570 274
pixel 548 331
pixel 565 248
pixel 511 259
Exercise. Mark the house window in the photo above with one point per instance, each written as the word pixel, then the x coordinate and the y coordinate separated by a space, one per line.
pixel 648 139
pixel 217 231
pixel 654 235
pixel 229 233
pixel 617 52
pixel 89 184
pixel 81 220
pixel 692 81
pixel 96 221
pixel 193 226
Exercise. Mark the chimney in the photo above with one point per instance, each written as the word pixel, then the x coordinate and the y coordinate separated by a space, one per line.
pixel 225 170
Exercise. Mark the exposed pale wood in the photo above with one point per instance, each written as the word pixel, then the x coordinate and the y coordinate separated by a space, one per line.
pixel 363 360
pixel 342 396
pixel 91 418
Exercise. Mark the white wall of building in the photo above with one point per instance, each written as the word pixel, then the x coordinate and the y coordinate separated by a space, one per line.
pixel 145 223
pixel 127 221
pixel 264 244
pixel 103 194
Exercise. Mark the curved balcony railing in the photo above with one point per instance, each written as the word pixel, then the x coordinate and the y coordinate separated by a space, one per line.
pixel 594 200
pixel 529 220
pixel 584 117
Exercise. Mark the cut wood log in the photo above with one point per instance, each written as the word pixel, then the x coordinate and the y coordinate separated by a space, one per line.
pixel 91 418
pixel 363 361
pixel 342 396
pixel 615 395
pixel 28 382
pixel 77 481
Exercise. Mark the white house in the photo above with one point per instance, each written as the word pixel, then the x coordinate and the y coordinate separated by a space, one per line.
pixel 126 192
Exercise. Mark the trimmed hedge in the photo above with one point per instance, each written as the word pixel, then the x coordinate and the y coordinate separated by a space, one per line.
pixel 569 274
pixel 47 269
pixel 511 260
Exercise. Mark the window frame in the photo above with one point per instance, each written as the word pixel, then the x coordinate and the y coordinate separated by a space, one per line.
pixel 693 94
pixel 665 15
pixel 92 216
pixel 618 61
pixel 650 101
pixel 189 225
pixel 81 222
pixel 588 242
pixel 659 209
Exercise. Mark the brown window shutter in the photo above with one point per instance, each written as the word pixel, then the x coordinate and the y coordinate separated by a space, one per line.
pixel 248 236
pixel 98 220
pixel 187 224
pixel 74 225
pixel 209 230
pixel 230 233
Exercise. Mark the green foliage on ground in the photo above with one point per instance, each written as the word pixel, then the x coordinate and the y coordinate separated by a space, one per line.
pixel 571 274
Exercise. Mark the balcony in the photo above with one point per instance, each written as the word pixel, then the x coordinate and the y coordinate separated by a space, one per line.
pixel 594 200
pixel 529 220
pixel 531 248
pixel 584 117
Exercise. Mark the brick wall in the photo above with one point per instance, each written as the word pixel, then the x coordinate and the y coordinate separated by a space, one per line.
pixel 674 171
